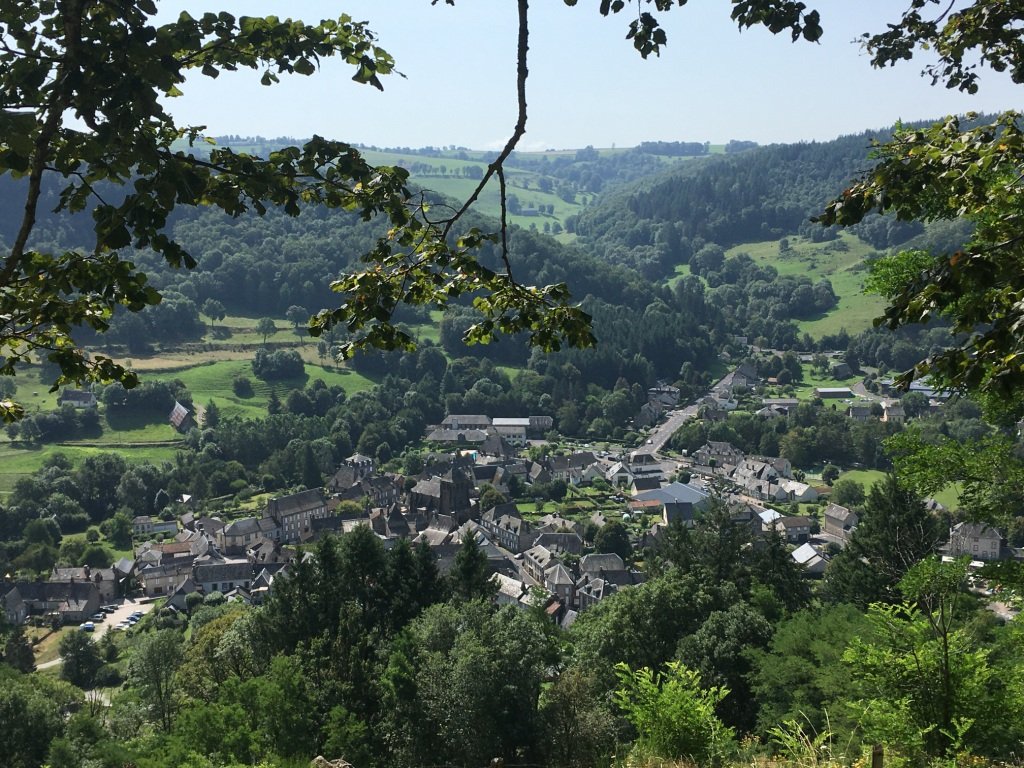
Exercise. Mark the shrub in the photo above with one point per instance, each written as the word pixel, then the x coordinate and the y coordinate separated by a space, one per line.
pixel 673 716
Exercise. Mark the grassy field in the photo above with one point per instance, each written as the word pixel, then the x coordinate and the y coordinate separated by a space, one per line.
pixel 213 382
pixel 840 261
pixel 16 462
pixel 804 390
pixel 949 497
pixel 48 648
pixel 208 376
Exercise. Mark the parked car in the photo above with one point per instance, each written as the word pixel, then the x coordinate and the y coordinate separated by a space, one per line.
pixel 98 616
pixel 108 608
pixel 87 626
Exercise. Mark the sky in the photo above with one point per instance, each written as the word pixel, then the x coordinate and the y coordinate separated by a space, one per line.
pixel 587 85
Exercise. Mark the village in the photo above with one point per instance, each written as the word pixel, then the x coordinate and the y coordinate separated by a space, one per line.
pixel 475 490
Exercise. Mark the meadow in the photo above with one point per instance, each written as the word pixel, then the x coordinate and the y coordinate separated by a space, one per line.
pixel 841 261
pixel 949 497
pixel 207 369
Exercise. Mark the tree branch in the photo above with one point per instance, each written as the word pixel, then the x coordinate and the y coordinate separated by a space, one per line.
pixel 520 129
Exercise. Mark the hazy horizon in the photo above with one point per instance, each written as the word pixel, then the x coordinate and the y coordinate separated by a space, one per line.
pixel 587 85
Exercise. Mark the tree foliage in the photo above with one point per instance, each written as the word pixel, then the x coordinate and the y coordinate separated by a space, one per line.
pixel 125 166
pixel 674 716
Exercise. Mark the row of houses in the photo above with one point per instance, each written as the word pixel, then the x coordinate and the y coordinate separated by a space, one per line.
pixel 68 596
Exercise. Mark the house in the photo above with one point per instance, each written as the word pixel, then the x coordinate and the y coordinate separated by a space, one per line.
pixel 618 474
pixel 507 528
pixel 718 454
pixel 645 464
pixel 860 411
pixel 146 525
pixel 67 602
pixel 293 513
pixel 796 529
pixel 14 605
pixel 571 469
pixel 160 580
pixel 536 561
pixel 979 541
pixel 641 484
pixel 372 491
pixel 179 597
pixel 540 425
pixel 77 398
pixel 267 551
pixel 238 536
pixel 560 582
pixel 561 542
pixel 390 523
pixel 104 578
pixel 362 464
pixel 496 445
pixel 457 436
pixel 181 418
pixel 796 491
pixel 538 473
pixel 742 377
pixel 510 591
pixel 466 421
pixel 663 395
pixel 551 523
pixel 513 430
pixel 602 575
pixel 810 558
pixel 680 501
pixel 840 522
pixel 223 577
pixel 892 412
pixel 783 404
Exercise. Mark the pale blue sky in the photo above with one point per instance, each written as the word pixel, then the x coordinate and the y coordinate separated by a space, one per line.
pixel 587 85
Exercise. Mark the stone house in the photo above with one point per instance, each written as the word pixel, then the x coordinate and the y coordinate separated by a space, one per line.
pixel 840 521
pixel 979 541
pixel 293 513
pixel 718 454
pixel 796 529
pixel 223 577
pixel 238 536
pixel 160 580
pixel 104 578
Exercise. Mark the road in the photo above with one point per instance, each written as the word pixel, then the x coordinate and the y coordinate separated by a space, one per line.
pixel 658 439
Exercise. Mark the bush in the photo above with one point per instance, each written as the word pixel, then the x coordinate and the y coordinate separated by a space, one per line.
pixel 673 716
pixel 281 364
pixel 242 386
pixel 108 676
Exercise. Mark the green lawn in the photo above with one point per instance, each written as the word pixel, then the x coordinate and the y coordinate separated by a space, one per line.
pixel 949 497
pixel 16 462
pixel 154 440
pixel 213 381
pixel 804 390
pixel 841 261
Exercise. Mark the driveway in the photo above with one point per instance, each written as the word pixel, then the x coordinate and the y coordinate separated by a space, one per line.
pixel 125 608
